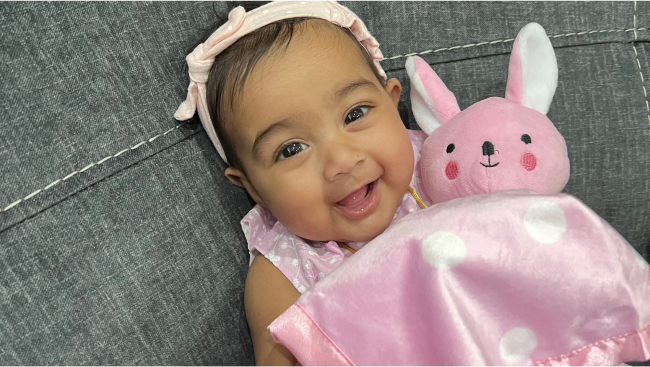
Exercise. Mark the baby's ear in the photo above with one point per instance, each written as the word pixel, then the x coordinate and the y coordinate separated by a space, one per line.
pixel 394 89
pixel 532 73
pixel 432 103
pixel 238 178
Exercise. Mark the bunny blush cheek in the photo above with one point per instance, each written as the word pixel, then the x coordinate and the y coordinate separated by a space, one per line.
pixel 528 161
pixel 452 170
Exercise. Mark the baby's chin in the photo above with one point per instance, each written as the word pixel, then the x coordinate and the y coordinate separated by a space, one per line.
pixel 368 231
pixel 350 232
pixel 343 230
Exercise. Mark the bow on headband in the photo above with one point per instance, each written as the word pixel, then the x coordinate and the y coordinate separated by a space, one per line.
pixel 240 24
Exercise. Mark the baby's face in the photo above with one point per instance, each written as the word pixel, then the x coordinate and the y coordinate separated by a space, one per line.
pixel 320 139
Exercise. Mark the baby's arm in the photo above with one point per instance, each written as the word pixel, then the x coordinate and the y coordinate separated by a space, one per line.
pixel 267 294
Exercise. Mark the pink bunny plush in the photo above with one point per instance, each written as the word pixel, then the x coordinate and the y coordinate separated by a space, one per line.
pixel 497 143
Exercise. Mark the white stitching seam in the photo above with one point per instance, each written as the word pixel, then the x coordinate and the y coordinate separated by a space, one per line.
pixel 87 167
pixel 636 54
pixel 389 58
pixel 512 39
pixel 634 18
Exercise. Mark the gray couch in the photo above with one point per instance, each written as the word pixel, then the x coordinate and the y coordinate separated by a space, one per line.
pixel 120 240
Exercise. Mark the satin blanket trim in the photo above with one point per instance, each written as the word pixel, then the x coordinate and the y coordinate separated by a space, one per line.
pixel 301 333
pixel 632 347
pixel 307 341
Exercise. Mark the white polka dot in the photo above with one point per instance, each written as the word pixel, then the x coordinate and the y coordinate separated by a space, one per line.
pixel 289 12
pixel 265 11
pixel 443 250
pixel 545 222
pixel 517 345
pixel 640 260
pixel 230 28
pixel 303 3
pixel 335 15
pixel 327 11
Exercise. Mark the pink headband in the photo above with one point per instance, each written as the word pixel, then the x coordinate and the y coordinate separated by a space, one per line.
pixel 241 23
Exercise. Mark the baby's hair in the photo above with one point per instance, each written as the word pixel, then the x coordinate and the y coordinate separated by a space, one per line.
pixel 232 66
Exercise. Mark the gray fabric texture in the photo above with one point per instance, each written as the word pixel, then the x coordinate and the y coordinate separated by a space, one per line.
pixel 140 259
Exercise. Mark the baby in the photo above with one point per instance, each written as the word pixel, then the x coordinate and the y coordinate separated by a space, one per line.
pixel 294 99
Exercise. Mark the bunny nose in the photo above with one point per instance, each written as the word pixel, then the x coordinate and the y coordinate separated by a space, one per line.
pixel 488 148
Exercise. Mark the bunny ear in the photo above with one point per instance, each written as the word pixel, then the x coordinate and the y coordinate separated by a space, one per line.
pixel 532 74
pixel 432 103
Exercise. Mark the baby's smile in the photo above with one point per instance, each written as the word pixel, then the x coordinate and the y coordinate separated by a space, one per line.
pixel 360 202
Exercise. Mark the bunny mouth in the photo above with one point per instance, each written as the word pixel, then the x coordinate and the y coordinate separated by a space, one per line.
pixel 489 165
pixel 488 152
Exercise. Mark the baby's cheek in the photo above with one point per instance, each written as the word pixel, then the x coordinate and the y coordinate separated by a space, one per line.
pixel 451 170
pixel 528 161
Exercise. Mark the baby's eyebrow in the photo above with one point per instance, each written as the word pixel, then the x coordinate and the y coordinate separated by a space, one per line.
pixel 361 83
pixel 265 134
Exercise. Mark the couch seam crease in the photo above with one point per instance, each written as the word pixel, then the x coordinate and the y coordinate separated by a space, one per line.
pixel 68 195
pixel 636 55
pixel 635 29
pixel 88 167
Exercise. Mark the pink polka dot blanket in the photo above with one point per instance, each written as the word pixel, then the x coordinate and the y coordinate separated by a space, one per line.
pixel 508 278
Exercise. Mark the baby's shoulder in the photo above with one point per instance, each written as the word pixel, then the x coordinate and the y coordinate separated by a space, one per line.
pixel 302 262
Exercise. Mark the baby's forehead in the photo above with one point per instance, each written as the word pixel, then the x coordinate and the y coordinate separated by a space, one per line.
pixel 319 33
pixel 313 42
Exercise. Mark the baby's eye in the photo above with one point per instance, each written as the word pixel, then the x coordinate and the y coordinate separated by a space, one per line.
pixel 291 150
pixel 356 114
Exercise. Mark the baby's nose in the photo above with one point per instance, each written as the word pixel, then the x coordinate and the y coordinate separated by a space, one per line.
pixel 488 148
pixel 343 159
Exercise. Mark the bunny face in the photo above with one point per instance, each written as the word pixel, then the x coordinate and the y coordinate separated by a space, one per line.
pixel 495 144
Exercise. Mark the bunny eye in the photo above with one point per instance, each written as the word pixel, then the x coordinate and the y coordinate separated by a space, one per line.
pixel 450 148
pixel 526 139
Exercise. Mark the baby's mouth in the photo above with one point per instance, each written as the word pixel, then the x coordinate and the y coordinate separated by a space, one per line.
pixel 356 197
pixel 361 202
